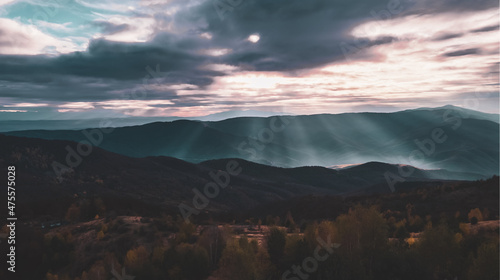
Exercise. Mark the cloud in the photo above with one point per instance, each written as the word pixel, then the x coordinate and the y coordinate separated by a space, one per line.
pixel 454 6
pixel 447 36
pixel 107 60
pixel 293 35
pixel 109 28
pixel 6 2
pixel 21 39
pixel 310 56
pixel 118 28
pixel 463 52
pixel 486 29
pixel 297 35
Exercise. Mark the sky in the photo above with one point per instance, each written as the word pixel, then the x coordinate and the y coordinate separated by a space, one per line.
pixel 118 58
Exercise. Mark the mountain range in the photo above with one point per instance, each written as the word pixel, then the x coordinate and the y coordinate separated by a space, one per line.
pixel 449 138
pixel 165 181
pixel 70 120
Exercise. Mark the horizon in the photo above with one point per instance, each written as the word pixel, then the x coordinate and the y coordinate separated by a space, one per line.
pixel 18 116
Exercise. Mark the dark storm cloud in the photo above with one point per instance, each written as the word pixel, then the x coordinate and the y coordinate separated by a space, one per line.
pixel 76 89
pixel 103 59
pixel 124 61
pixel 106 67
pixel 486 29
pixel 447 36
pixel 294 35
pixel 452 6
pixel 110 28
pixel 462 52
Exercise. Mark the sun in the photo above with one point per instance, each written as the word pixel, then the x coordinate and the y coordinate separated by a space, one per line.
pixel 254 38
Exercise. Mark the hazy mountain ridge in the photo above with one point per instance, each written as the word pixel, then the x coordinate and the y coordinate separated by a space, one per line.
pixel 465 113
pixel 168 181
pixel 471 144
pixel 21 124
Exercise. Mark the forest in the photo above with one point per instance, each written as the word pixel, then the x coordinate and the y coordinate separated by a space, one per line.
pixel 371 239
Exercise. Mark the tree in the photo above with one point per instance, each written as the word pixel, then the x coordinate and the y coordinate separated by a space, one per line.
pixel 270 220
pixel 485 265
pixel 439 252
pixel 100 235
pixel 98 272
pixel 214 240
pixel 244 260
pixel 158 255
pixel 475 213
pixel 186 232
pixel 401 232
pixel 363 235
pixel 289 222
pixel 416 224
pixel 194 261
pixel 326 229
pixel 276 241
pixel 136 258
pixel 363 230
pixel 73 213
pixel 310 235
pixel 237 263
pixel 51 276
pixel 99 206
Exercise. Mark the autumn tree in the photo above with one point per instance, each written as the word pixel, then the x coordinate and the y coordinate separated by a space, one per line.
pixel 289 221
pixel 186 232
pixel 363 235
pixel 136 258
pixel 475 213
pixel 276 241
pixel 187 257
pixel 244 260
pixel 214 240
pixel 73 213
pixel 98 271
pixel 440 253
pixel 485 265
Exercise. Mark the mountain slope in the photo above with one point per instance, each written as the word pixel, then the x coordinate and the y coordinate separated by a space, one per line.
pixel 466 113
pixel 430 139
pixel 18 123
pixel 165 182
